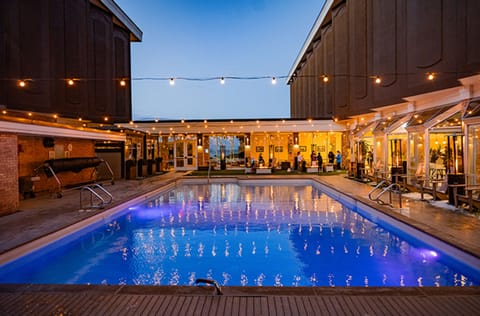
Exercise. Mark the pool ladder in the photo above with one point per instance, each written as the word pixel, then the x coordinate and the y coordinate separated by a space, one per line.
pixel 218 289
pixel 384 187
pixel 99 197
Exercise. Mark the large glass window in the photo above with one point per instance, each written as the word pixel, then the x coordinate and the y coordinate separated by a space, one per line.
pixel 473 175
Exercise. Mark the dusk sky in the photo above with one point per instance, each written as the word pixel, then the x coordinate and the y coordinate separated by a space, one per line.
pixel 199 39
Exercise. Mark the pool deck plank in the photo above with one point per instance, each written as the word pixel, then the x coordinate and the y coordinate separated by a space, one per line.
pixel 44 215
pixel 63 299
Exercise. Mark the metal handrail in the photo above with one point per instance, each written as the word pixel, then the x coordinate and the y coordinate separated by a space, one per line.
pixel 91 189
pixel 392 188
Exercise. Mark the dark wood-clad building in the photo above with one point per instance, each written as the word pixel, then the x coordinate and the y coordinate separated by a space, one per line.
pixel 64 71
pixel 44 44
pixel 401 42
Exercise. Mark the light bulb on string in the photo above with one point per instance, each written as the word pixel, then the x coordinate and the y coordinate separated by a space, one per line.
pixel 274 80
pixel 222 80
pixel 172 81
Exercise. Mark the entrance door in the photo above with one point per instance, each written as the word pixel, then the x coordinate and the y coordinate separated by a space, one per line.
pixel 185 152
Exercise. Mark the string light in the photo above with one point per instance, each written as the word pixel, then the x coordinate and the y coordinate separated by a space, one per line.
pixel 377 79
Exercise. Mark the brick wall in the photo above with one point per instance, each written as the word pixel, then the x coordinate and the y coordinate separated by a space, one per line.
pixel 8 174
pixel 32 153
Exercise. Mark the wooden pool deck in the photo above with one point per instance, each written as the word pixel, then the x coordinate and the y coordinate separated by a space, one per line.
pixel 151 300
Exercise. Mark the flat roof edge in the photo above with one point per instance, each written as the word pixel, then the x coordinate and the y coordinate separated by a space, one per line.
pixel 124 18
pixel 316 26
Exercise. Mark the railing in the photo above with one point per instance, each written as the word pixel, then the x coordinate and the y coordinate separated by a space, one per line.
pixel 218 290
pixel 384 187
pixel 99 196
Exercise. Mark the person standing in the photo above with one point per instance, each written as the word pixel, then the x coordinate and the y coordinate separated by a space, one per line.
pixel 331 157
pixel 300 161
pixel 320 162
pixel 338 159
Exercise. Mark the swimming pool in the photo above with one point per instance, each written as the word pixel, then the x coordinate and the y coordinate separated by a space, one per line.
pixel 249 235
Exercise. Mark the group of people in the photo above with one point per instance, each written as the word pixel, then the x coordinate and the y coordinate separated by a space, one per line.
pixel 317 159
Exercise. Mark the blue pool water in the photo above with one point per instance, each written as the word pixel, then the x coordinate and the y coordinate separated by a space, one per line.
pixel 240 235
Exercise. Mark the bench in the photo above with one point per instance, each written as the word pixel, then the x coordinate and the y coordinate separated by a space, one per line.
pixel 264 170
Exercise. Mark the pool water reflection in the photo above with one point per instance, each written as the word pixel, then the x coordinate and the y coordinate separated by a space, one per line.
pixel 241 235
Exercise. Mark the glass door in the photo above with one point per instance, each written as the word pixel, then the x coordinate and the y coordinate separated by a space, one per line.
pixel 185 155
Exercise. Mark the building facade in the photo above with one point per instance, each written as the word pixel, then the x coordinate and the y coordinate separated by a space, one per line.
pixel 403 77
pixel 64 72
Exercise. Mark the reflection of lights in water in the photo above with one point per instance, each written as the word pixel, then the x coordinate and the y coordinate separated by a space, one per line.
pixel 348 280
pixel 214 251
pixel 419 281
pixel 278 280
pixel 317 252
pixel 226 248
pixel 365 281
pixel 266 250
pixel 385 251
pixel 191 278
pixel 296 280
pixel 240 249
pixel 188 250
pixel 226 278
pixel 402 280
pixel 259 280
pixel 384 279
pixel 313 279
pixel 243 279
pixel 254 248
pixel 201 248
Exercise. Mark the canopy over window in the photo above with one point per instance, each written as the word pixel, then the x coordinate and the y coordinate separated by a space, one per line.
pixel 473 109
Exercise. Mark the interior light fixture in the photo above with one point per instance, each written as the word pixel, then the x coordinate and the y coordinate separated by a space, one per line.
pixel 377 80
pixel 430 76
pixel 22 83
pixel 325 78
pixel 70 82
pixel 123 83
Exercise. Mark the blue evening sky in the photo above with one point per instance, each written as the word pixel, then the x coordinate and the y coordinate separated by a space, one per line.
pixel 216 38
